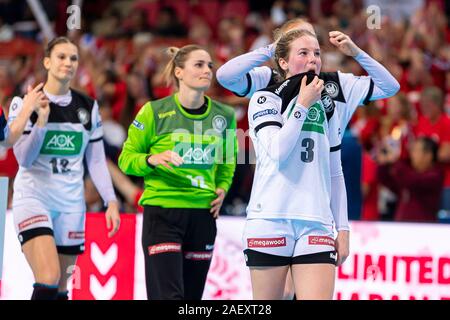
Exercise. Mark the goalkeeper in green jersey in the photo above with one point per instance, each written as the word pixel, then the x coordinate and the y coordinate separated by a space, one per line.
pixel 185 147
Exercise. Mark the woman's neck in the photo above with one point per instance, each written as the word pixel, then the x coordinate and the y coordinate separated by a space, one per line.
pixel 191 99
pixel 56 88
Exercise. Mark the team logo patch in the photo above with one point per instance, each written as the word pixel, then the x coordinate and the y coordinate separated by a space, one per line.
pixel 299 115
pixel 332 89
pixel 83 116
pixel 264 113
pixel 328 103
pixel 138 125
pixel 14 107
pixel 196 156
pixel 321 240
pixel 280 88
pixel 206 255
pixel 32 220
pixel 76 235
pixel 262 99
pixel 164 247
pixel 67 143
pixel 315 119
pixel 266 242
pixel 313 115
pixel 219 123
pixel 166 114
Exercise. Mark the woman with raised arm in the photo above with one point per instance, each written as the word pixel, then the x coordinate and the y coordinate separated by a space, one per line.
pixel 48 203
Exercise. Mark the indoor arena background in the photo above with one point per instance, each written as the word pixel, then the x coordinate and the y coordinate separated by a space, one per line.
pixel 121 62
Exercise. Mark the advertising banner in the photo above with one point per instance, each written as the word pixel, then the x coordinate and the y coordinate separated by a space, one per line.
pixel 389 261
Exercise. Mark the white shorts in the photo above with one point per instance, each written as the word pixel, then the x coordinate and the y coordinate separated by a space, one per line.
pixel 278 242
pixel 33 219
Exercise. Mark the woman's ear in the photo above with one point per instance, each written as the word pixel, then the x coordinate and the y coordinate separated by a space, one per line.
pixel 178 73
pixel 47 63
pixel 283 64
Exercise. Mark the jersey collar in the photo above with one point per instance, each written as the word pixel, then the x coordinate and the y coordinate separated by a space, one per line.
pixel 193 116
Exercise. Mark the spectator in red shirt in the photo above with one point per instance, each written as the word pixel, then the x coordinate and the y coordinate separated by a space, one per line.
pixel 435 123
pixel 417 183
pixel 369 188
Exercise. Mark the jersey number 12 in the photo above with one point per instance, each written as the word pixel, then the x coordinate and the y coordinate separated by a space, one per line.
pixel 60 167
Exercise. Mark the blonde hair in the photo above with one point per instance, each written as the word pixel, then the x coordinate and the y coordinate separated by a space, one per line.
pixel 178 57
pixel 278 32
pixel 284 46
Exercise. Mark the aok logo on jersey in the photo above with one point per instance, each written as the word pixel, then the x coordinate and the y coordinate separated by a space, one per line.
pixel 315 119
pixel 196 156
pixel 66 143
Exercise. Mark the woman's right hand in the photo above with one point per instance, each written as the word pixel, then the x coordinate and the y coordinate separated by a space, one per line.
pixel 34 98
pixel 164 158
pixel 310 93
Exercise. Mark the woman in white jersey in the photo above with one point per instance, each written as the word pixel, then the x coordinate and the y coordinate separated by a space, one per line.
pixel 298 192
pixel 244 75
pixel 48 202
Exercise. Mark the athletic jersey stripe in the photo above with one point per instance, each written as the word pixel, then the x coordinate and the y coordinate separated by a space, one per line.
pixel 335 148
pixel 96 140
pixel 249 86
pixel 369 93
pixel 266 124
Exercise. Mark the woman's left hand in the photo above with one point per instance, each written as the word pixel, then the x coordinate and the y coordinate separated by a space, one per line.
pixel 344 43
pixel 342 246
pixel 112 218
pixel 217 203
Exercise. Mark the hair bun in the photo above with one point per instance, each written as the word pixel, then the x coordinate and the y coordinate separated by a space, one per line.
pixel 172 51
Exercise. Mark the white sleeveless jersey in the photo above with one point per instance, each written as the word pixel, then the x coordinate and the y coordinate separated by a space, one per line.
pixel 56 177
pixel 299 187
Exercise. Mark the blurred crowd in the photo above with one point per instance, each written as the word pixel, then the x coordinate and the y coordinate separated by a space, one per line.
pixel 396 152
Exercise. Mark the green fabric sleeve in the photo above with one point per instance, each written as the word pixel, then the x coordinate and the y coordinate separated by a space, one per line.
pixel 132 159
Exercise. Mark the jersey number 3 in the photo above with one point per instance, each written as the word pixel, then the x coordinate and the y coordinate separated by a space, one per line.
pixel 307 155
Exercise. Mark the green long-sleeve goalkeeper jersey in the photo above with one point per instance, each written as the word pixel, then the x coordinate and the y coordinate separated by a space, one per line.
pixel 206 142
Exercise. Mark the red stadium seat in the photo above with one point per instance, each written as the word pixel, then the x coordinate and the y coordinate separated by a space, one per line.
pixel 151 8
pixel 181 7
pixel 235 9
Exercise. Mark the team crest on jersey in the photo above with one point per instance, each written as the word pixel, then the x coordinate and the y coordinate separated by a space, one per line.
pixel 219 123
pixel 83 116
pixel 332 89
pixel 328 103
